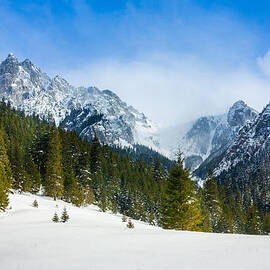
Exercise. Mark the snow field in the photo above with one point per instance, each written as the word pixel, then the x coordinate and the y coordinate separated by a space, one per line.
pixel 93 240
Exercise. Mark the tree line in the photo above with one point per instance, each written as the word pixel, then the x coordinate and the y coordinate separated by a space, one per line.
pixel 38 157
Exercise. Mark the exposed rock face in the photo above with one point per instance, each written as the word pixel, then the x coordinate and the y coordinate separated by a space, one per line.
pixel 211 136
pixel 249 153
pixel 88 111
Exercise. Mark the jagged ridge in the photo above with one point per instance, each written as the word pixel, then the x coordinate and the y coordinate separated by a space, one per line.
pixel 88 111
pixel 210 136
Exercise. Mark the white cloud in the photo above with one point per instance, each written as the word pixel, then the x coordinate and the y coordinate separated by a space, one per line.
pixel 264 63
pixel 172 88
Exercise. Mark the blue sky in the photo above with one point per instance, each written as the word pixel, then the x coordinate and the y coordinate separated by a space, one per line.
pixel 187 57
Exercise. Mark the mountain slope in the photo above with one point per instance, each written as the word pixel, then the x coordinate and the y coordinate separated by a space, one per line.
pixel 96 240
pixel 249 153
pixel 211 136
pixel 88 111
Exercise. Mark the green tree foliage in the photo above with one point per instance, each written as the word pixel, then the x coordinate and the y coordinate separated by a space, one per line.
pixel 54 182
pixel 33 174
pixel 71 190
pixel 35 204
pixel 254 223
pixel 58 163
pixel 181 208
pixel 55 218
pixel 130 224
pixel 266 224
pixel 124 218
pixel 95 164
pixel 5 174
pixel 211 200
pixel 65 217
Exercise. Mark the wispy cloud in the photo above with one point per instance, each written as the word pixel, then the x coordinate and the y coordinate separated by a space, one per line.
pixel 175 88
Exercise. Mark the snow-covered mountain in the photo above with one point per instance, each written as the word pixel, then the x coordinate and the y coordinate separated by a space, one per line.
pixel 88 111
pixel 210 136
pixel 249 153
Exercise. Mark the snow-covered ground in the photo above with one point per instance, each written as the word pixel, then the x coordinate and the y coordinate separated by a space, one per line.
pixel 92 240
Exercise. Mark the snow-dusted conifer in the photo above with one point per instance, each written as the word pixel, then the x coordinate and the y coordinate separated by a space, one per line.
pixel 55 218
pixel 35 204
pixel 65 216
pixel 130 224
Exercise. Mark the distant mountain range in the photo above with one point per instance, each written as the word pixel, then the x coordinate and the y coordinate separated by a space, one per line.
pixel 249 154
pixel 203 140
pixel 234 143
pixel 88 111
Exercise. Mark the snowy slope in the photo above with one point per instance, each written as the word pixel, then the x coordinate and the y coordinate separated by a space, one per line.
pixel 88 111
pixel 211 135
pixel 94 240
pixel 250 150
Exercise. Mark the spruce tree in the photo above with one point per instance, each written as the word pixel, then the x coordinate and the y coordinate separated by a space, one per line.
pixel 65 216
pixel 71 190
pixel 130 224
pixel 5 174
pixel 124 218
pixel 180 207
pixel 254 222
pixel 55 218
pixel 102 203
pixel 266 224
pixel 95 156
pixel 211 198
pixel 54 180
pixel 35 204
pixel 21 177
pixel 157 170
pixel 34 174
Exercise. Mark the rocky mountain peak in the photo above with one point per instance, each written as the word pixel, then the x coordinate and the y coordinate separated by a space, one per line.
pixel 211 136
pixel 250 150
pixel 87 111
pixel 240 113
pixel 10 65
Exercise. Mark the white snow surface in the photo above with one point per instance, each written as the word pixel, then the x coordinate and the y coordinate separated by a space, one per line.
pixel 94 240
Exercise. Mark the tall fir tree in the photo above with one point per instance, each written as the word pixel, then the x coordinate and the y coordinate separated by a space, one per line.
pixel 71 190
pixel 95 156
pixel 211 199
pixel 5 174
pixel 181 208
pixel 254 222
pixel 54 182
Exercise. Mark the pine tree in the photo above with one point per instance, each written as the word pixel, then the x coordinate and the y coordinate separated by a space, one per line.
pixel 211 198
pixel 71 190
pixel 130 224
pixel 88 195
pixel 21 178
pixel 65 216
pixel 35 204
pixel 54 180
pixel 180 209
pixel 95 156
pixel 254 222
pixel 124 218
pixel 102 203
pixel 266 224
pixel 157 170
pixel 34 174
pixel 55 218
pixel 5 174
